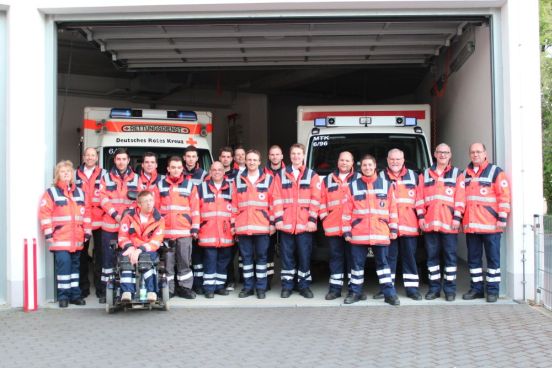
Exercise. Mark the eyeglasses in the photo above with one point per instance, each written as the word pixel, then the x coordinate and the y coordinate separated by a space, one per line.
pixel 476 152
pixel 442 152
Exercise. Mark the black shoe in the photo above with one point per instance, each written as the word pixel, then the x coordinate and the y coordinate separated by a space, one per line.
pixel 351 298
pixel 449 297
pixel 306 293
pixel 261 294
pixel 379 295
pixel 333 295
pixel 63 303
pixel 171 295
pixel 268 287
pixel 392 300
pixel 198 290
pixel 415 295
pixel 285 293
pixel 99 294
pixel 186 293
pixel 79 301
pixel 101 299
pixel 432 295
pixel 85 293
pixel 209 294
pixel 363 296
pixel 473 294
pixel 245 293
pixel 492 298
pixel 222 292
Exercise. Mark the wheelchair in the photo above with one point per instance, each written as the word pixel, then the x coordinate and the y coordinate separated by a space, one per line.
pixel 144 264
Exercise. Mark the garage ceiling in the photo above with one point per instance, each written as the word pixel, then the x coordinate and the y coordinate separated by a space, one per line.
pixel 273 43
pixel 349 60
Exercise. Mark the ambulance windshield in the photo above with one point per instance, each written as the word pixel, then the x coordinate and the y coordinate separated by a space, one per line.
pixel 163 154
pixel 324 150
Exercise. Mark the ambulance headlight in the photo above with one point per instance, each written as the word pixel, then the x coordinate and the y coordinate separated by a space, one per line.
pixel 182 115
pixel 410 121
pixel 203 131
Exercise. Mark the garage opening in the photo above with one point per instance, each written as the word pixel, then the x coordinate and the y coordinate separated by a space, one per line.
pixel 252 74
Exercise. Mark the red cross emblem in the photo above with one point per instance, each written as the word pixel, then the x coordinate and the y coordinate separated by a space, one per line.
pixel 191 141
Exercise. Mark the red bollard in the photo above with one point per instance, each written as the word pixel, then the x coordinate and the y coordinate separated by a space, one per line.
pixel 30 279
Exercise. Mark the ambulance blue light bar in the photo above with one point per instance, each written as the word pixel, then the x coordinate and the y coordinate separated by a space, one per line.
pixel 121 113
pixel 320 122
pixel 410 121
pixel 182 115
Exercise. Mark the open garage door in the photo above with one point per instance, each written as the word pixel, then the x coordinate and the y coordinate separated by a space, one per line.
pixel 259 70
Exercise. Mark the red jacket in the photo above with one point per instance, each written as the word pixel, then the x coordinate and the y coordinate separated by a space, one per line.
pixel 179 206
pixel 487 199
pixel 405 190
pixel 150 184
pixel 91 188
pixel 145 236
pixel 333 199
pixel 297 202
pixel 64 218
pixel 252 204
pixel 216 214
pixel 370 214
pixel 442 198
pixel 114 196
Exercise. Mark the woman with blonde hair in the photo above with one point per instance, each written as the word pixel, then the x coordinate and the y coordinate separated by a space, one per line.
pixel 65 222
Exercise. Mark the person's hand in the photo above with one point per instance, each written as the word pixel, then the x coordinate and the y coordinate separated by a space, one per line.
pixel 393 236
pixel 311 227
pixel 135 255
pixel 118 218
pixel 501 225
pixel 348 238
pixel 272 230
pixel 280 225
pixel 455 224
pixel 422 224
pixel 194 235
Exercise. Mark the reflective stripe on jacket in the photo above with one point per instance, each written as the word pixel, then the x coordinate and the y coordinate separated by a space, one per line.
pixel 405 190
pixel 91 188
pixel 179 206
pixel 114 196
pixel 216 214
pixel 442 198
pixel 333 199
pixel 64 218
pixel 145 236
pixel 487 199
pixel 296 202
pixel 253 203
pixel 370 213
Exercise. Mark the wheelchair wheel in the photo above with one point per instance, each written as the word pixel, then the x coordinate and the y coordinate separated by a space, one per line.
pixel 165 297
pixel 109 300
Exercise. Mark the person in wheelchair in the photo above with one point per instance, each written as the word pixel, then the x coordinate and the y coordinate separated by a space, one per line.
pixel 140 236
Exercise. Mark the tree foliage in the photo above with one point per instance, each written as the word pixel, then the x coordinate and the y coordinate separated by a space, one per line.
pixel 546 95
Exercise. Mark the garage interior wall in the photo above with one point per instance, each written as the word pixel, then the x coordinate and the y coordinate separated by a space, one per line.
pixel 3 173
pixel 463 115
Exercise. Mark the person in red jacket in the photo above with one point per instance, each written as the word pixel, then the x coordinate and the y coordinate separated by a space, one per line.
pixel 179 206
pixel 297 203
pixel 254 223
pixel 405 190
pixel 88 177
pixel 370 219
pixel 274 167
pixel 118 191
pixel 149 178
pixel 216 235
pixel 141 232
pixel 487 209
pixel 65 222
pixel 440 212
pixel 335 188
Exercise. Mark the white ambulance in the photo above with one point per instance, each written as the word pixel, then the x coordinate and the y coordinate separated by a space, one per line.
pixel 363 129
pixel 164 132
